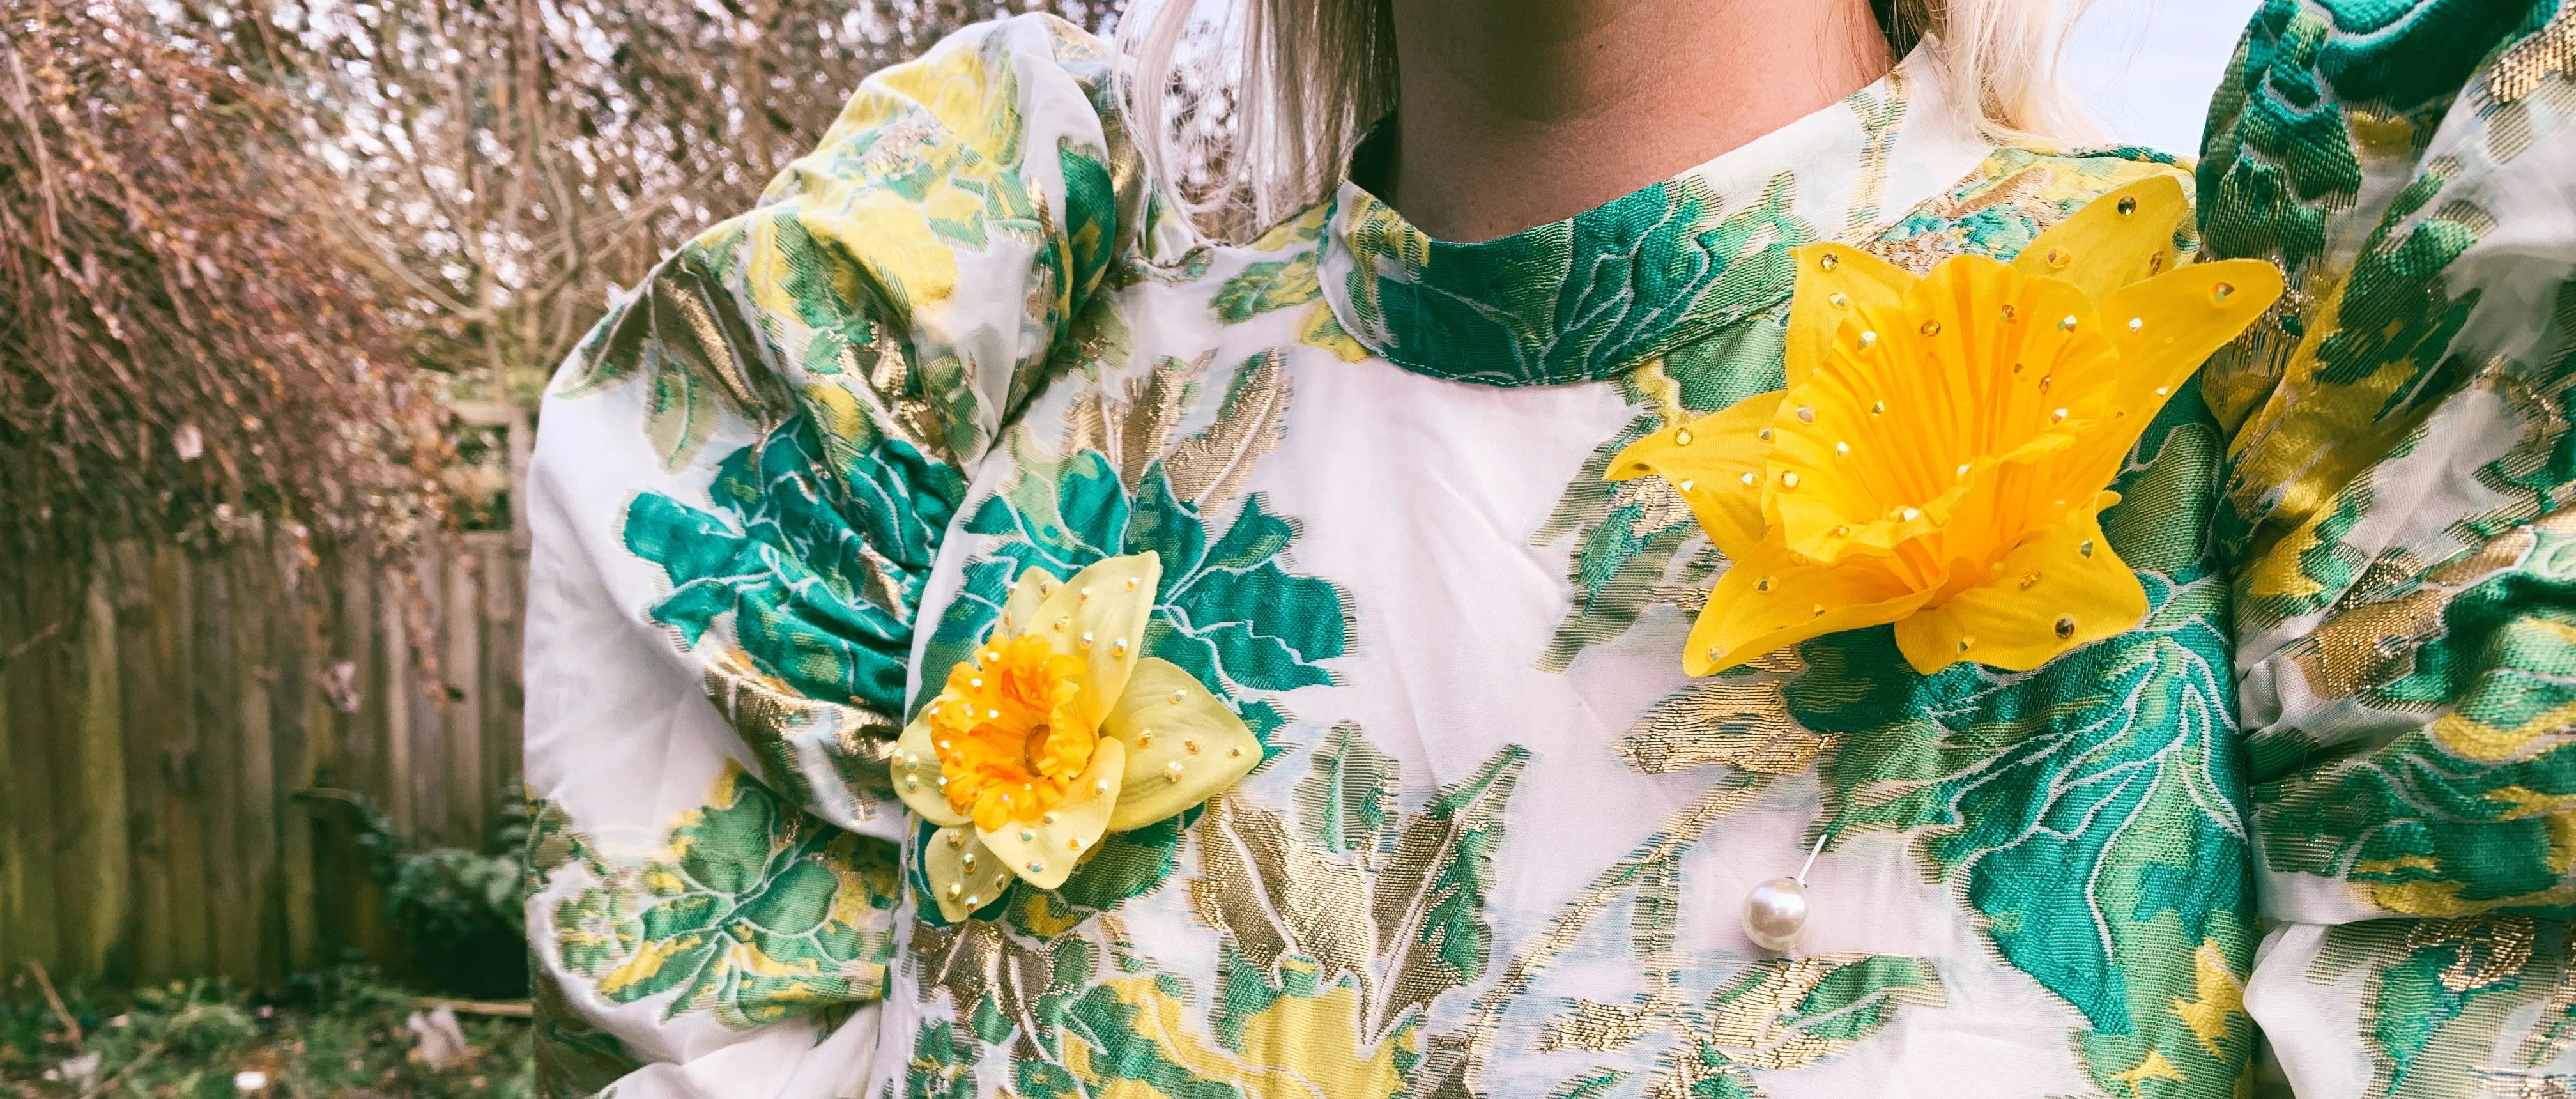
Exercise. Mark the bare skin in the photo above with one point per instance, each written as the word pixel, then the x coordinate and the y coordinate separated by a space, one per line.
pixel 1516 113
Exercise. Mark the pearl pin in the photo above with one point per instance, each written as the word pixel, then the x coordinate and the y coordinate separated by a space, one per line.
pixel 1775 912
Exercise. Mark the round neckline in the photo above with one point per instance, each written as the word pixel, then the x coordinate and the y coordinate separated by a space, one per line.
pixel 1589 296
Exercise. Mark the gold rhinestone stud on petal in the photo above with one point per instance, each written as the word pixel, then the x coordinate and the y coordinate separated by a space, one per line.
pixel 2065 626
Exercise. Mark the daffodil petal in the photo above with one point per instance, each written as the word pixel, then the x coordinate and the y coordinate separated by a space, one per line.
pixel 1099 614
pixel 964 875
pixel 1043 851
pixel 916 775
pixel 2060 588
pixel 1183 744
pixel 1707 461
pixel 1824 271
pixel 2167 326
pixel 2114 240
pixel 1020 611
pixel 1768 601
pixel 1978 364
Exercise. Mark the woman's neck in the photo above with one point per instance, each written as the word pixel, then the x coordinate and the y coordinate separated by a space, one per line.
pixel 1514 113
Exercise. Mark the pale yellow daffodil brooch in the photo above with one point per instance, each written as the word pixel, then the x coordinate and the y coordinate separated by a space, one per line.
pixel 1058 731
pixel 1945 445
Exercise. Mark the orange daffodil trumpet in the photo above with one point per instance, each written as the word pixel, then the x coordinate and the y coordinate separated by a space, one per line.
pixel 1058 731
pixel 1945 445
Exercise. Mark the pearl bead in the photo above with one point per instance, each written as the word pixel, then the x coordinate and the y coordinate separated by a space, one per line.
pixel 1775 914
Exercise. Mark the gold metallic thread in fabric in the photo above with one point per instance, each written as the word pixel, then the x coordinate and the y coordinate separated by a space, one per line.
pixel 1750 1028
pixel 2544 55
pixel 1205 468
pixel 1881 121
pixel 767 712
pixel 1212 465
pixel 1276 894
pixel 1737 720
pixel 2485 950
pixel 1455 1067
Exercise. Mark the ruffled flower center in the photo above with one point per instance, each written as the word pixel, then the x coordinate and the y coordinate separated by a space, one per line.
pixel 1936 408
pixel 1010 739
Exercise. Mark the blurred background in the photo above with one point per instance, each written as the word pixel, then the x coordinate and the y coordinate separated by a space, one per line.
pixel 280 285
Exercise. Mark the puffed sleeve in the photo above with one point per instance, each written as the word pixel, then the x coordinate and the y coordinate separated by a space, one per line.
pixel 741 482
pixel 2403 550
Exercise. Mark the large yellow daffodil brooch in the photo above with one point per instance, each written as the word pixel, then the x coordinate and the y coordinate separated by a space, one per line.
pixel 1945 445
pixel 1058 731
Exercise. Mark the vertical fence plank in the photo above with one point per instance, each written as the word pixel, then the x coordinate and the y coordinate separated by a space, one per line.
pixel 14 862
pixel 183 830
pixel 220 693
pixel 303 723
pixel 37 726
pixel 99 853
pixel 430 698
pixel 503 596
pixel 468 807
pixel 254 839
pixel 395 651
pixel 145 674
pixel 373 639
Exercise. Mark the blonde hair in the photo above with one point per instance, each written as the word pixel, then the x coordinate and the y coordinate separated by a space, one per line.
pixel 1250 117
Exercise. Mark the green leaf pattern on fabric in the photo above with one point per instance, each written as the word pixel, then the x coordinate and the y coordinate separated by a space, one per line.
pixel 2090 810
pixel 815 563
pixel 754 912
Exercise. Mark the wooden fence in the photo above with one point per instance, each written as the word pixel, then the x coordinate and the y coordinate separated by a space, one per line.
pixel 159 713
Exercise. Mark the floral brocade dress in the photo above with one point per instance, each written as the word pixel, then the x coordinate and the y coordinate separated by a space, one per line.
pixel 1436 808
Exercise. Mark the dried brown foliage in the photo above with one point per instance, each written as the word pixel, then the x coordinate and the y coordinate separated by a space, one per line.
pixel 514 159
pixel 182 347
pixel 253 254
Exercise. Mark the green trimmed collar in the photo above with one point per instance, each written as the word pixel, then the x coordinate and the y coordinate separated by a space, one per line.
pixel 1590 296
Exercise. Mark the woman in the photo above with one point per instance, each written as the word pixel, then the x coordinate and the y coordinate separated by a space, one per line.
pixel 990 641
